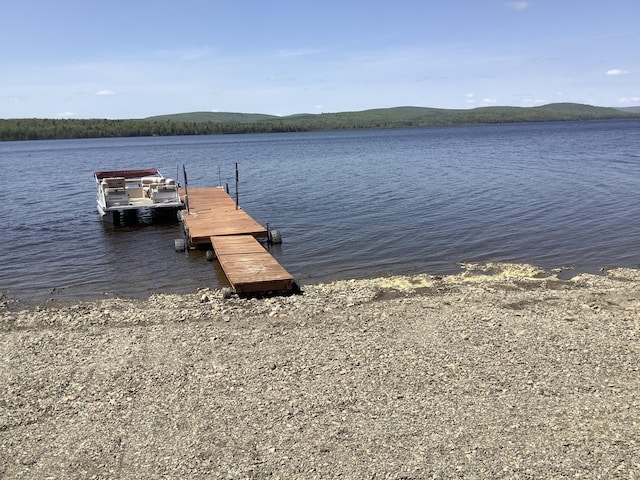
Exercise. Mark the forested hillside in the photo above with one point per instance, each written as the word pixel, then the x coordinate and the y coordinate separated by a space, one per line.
pixel 208 123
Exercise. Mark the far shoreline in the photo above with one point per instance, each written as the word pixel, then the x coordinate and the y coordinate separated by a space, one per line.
pixel 217 123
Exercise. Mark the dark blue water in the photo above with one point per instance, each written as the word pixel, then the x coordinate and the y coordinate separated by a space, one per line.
pixel 348 204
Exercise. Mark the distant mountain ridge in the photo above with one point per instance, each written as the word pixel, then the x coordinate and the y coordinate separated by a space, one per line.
pixel 217 117
pixel 408 114
pixel 630 109
pixel 212 123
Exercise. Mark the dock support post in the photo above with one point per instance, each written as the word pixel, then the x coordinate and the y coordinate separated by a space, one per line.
pixel 236 185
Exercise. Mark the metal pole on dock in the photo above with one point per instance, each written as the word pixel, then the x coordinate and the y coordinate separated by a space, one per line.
pixel 236 185
pixel 186 190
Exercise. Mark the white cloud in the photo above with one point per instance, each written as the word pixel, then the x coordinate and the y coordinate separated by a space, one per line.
pixel 65 114
pixel 518 5
pixel 103 93
pixel 297 53
pixel 629 100
pixel 489 101
pixel 616 71
pixel 533 101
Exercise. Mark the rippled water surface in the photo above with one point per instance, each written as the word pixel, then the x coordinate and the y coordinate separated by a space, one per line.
pixel 348 204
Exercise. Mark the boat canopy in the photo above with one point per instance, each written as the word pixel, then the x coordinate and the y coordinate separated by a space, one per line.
pixel 142 172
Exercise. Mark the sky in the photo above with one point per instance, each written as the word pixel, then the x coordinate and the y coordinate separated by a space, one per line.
pixel 134 59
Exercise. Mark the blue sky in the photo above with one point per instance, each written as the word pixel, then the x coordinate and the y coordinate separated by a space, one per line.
pixel 133 59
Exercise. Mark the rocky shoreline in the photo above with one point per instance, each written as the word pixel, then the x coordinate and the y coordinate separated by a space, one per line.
pixel 503 371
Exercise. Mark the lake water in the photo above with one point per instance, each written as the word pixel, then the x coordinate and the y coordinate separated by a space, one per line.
pixel 349 204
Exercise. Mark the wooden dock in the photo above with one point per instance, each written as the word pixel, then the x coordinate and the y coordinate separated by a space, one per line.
pixel 248 266
pixel 213 212
pixel 213 219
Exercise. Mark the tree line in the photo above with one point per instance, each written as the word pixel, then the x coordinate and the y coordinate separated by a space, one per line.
pixel 53 129
pixel 400 117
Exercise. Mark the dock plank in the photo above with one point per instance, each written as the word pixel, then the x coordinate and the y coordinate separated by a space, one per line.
pixel 248 266
pixel 212 212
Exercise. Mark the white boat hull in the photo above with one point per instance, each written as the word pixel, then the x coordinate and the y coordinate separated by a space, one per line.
pixel 132 192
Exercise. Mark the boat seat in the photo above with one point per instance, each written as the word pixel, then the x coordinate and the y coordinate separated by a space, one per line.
pixel 164 188
pixel 114 182
pixel 146 181
pixel 135 192
pixel 151 180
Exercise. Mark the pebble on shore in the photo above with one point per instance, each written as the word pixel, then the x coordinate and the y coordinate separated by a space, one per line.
pixel 501 371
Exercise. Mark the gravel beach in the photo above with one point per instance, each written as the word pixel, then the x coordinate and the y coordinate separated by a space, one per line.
pixel 502 371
